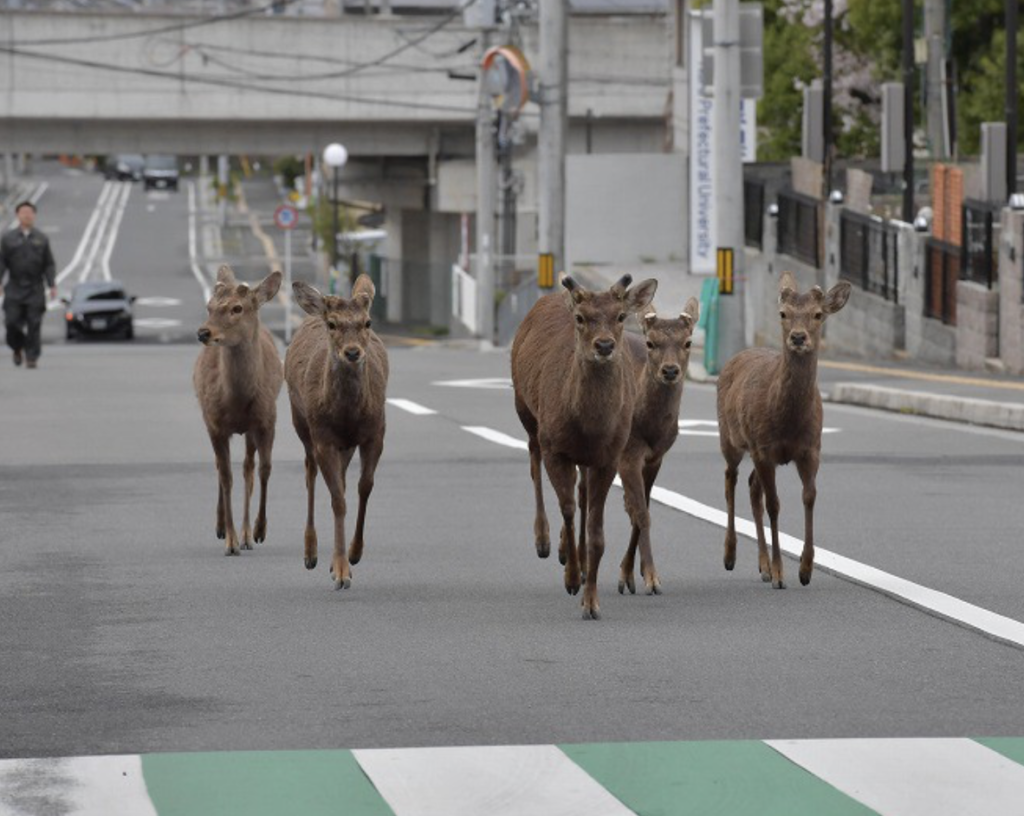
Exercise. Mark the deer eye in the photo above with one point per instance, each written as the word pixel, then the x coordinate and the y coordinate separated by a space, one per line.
pixel 783 315
pixel 332 325
pixel 368 324
pixel 818 315
pixel 579 320
pixel 687 344
pixel 622 317
pixel 650 345
pixel 236 310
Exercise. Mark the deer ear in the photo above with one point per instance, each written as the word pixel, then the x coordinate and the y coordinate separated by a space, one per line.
pixel 268 287
pixel 575 292
pixel 308 298
pixel 641 295
pixel 226 275
pixel 691 311
pixel 787 286
pixel 363 291
pixel 837 297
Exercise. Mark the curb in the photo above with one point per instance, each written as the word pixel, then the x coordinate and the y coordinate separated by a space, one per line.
pixel 1006 415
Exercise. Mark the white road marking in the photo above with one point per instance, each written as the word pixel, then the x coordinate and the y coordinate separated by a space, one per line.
pixel 79 786
pixel 105 233
pixel 693 427
pixel 115 227
pixel 996 626
pixel 196 271
pixel 84 243
pixel 487 382
pixel 155 323
pixel 411 407
pixel 156 302
pixel 513 780
pixel 914 777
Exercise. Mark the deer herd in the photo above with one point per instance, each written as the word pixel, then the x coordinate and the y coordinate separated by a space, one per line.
pixel 595 401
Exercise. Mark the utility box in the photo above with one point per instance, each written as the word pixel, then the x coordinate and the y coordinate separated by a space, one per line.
pixel 993 162
pixel 894 154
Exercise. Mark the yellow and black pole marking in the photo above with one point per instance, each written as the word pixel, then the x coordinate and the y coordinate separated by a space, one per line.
pixel 546 270
pixel 725 270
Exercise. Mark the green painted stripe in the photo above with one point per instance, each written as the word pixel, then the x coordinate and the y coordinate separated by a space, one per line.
pixel 732 778
pixel 1009 747
pixel 261 783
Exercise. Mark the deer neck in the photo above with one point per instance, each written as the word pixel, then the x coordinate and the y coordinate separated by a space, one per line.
pixel 241 366
pixel 796 383
pixel 655 399
pixel 345 386
pixel 595 391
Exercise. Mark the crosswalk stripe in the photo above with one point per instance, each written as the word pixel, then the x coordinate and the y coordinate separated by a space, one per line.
pixel 914 777
pixel 518 780
pixel 75 786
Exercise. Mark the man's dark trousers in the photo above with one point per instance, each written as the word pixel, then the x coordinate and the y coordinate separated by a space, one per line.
pixel 27 314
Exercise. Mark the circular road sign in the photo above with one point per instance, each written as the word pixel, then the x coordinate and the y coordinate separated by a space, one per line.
pixel 286 217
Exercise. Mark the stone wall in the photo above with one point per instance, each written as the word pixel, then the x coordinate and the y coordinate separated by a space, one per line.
pixel 1011 291
pixel 869 326
pixel 977 324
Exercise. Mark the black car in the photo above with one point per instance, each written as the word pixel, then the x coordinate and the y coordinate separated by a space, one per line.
pixel 124 167
pixel 160 172
pixel 99 309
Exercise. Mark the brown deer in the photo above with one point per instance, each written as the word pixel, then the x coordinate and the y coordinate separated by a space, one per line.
pixel 574 393
pixel 237 379
pixel 769 406
pixel 660 361
pixel 337 373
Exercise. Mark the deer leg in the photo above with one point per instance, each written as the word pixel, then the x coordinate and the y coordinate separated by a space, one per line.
pixel 757 506
pixel 329 461
pixel 309 543
pixel 221 530
pixel 807 467
pixel 562 474
pixel 249 476
pixel 222 451
pixel 265 446
pixel 599 483
pixel 541 532
pixel 369 455
pixel 732 464
pixel 647 569
pixel 631 471
pixel 766 476
pixel 581 548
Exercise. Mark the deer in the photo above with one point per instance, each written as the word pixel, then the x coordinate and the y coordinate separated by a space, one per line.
pixel 574 394
pixel 769 407
pixel 237 379
pixel 337 374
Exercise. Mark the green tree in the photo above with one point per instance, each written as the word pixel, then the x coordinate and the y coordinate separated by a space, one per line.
pixel 789 66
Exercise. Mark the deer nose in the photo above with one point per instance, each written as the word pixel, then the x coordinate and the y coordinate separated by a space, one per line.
pixel 670 372
pixel 352 354
pixel 798 338
pixel 204 335
pixel 604 347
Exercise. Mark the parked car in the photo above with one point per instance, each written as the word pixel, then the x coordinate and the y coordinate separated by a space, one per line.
pixel 99 309
pixel 124 167
pixel 160 172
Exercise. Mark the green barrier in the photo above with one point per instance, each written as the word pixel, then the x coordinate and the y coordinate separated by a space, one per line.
pixel 709 322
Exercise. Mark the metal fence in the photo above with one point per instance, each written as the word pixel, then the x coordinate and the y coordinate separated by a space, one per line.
pixel 753 212
pixel 979 262
pixel 942 271
pixel 868 254
pixel 799 227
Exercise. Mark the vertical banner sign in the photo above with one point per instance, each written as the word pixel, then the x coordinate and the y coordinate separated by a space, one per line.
pixel 725 268
pixel 702 211
pixel 546 270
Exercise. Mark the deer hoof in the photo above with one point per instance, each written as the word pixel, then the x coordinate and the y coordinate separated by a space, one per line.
pixel 231 551
pixel 654 589
pixel 780 584
pixel 730 562
pixel 343 584
pixel 543 546
pixel 246 545
pixel 259 533
pixel 591 614
pixel 766 576
pixel 805 578
pixel 222 533
pixel 310 563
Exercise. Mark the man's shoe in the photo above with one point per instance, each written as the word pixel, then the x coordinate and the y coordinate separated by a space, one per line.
pixel 17 357
pixel 31 364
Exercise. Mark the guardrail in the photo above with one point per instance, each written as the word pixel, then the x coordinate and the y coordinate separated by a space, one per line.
pixel 868 254
pixel 800 227
pixel 979 263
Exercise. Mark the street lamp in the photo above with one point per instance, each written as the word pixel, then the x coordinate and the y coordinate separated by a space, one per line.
pixel 335 156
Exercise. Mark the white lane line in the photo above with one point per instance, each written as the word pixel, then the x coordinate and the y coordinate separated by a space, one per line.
pixel 914 777
pixel 411 407
pixel 692 427
pixel 80 786
pixel 996 626
pixel 514 780
pixel 84 243
pixel 487 382
pixel 109 210
pixel 157 301
pixel 196 271
pixel 115 227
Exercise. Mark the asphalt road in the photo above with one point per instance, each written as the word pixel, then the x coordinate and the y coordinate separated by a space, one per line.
pixel 126 630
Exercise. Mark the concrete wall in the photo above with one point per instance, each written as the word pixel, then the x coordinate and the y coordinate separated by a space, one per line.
pixel 1011 291
pixel 869 326
pixel 625 209
pixel 977 324
pixel 927 340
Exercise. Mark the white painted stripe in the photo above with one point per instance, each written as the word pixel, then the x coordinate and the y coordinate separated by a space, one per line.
pixel 497 437
pixel 79 786
pixel 688 427
pixel 410 406
pixel 938 603
pixel 914 777
pixel 486 383
pixel 109 210
pixel 115 227
pixel 83 244
pixel 196 271
pixel 515 780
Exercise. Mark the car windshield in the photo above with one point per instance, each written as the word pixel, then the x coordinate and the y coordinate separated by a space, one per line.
pixel 131 159
pixel 107 294
pixel 162 163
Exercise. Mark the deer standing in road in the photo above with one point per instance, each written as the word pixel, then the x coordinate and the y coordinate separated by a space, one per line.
pixel 574 393
pixel 769 406
pixel 237 379
pixel 337 373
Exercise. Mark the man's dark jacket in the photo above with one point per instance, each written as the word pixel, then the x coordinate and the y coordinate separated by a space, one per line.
pixel 29 264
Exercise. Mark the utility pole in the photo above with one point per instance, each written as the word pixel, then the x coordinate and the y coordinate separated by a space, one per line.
pixel 908 111
pixel 935 36
pixel 554 114
pixel 486 189
pixel 728 163
pixel 827 100
pixel 1011 97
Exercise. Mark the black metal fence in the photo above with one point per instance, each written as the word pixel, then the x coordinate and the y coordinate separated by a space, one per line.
pixel 942 271
pixel 753 212
pixel 800 227
pixel 868 254
pixel 979 262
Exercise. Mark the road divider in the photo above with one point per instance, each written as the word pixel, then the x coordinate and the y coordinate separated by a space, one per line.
pixel 204 283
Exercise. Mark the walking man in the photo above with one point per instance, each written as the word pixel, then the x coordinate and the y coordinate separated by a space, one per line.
pixel 27 263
